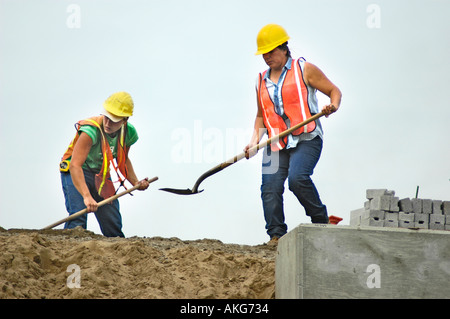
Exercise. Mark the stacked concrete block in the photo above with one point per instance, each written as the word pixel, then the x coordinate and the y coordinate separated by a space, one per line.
pixel 406 219
pixel 446 207
pixel 372 193
pixel 421 215
pixel 391 219
pixel 408 209
pixel 427 206
pixel 431 216
pixel 372 217
pixel 437 207
pixel 446 211
pixel 421 220
pixel 384 209
pixel 437 217
pixel 405 205
pixel 437 221
pixel 417 205
pixel 379 202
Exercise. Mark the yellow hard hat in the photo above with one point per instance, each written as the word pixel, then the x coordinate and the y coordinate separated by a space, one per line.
pixel 118 106
pixel 269 37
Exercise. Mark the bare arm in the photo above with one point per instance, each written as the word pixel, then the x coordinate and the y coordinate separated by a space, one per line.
pixel 80 153
pixel 132 178
pixel 258 131
pixel 316 78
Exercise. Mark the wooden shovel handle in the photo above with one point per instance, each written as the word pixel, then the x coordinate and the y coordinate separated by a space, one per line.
pixel 274 138
pixel 103 202
pixel 257 147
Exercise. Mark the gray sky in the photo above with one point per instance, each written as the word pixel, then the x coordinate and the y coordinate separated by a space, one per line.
pixel 190 68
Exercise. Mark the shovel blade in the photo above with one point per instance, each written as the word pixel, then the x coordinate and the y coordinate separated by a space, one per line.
pixel 186 191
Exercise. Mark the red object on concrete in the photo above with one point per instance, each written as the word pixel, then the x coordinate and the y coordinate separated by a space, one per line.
pixel 334 219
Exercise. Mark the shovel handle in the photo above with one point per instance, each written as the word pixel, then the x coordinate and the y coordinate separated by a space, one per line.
pixel 257 147
pixel 103 202
pixel 273 138
pixel 287 132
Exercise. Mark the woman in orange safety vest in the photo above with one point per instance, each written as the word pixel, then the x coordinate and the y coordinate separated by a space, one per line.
pixel 286 96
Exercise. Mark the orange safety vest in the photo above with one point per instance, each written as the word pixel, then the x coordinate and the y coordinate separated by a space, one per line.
pixel 103 182
pixel 295 103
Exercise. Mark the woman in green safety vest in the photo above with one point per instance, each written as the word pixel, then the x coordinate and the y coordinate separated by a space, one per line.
pixel 100 142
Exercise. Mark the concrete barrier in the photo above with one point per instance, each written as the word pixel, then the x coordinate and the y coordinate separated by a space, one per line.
pixel 333 261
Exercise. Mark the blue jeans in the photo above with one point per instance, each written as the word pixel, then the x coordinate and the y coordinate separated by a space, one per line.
pixel 108 215
pixel 297 164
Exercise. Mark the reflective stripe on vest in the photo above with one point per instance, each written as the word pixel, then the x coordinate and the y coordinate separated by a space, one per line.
pixel 295 103
pixel 106 151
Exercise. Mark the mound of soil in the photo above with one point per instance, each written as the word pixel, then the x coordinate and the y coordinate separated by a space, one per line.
pixel 73 264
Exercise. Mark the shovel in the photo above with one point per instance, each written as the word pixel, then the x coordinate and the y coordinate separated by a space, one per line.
pixel 103 202
pixel 238 157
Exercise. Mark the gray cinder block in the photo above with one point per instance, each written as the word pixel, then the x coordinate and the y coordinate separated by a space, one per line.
pixel 437 222
pixel 390 223
pixel 437 219
pixel 417 205
pixel 437 207
pixel 421 220
pixel 372 193
pixel 391 216
pixel 372 218
pixel 390 192
pixel 406 224
pixel 437 226
pixel 355 217
pixel 391 219
pixel 427 205
pixel 405 205
pixel 383 209
pixel 394 204
pixel 446 207
pixel 381 203
pixel 372 222
pixel 409 217
pixel 373 214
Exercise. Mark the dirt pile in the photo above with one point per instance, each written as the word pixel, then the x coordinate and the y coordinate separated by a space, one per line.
pixel 47 264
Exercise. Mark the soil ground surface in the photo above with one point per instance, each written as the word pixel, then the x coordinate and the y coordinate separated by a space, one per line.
pixel 51 264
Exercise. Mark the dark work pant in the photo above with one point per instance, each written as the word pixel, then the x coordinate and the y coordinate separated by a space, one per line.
pixel 297 165
pixel 108 215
